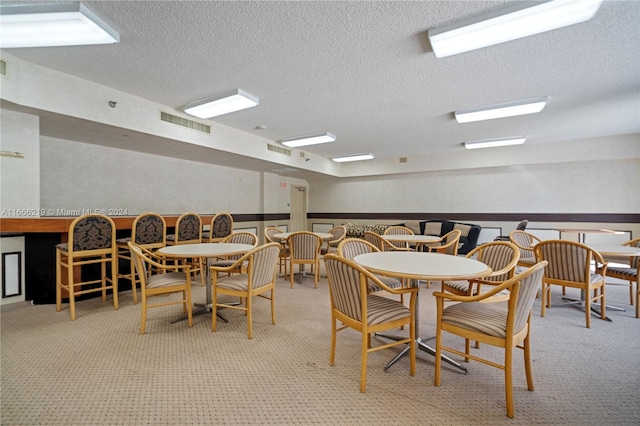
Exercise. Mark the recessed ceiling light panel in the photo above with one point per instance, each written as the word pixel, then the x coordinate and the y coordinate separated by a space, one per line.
pixel 308 140
pixel 221 104
pixel 520 20
pixel 491 143
pixel 510 109
pixel 353 157
pixel 45 25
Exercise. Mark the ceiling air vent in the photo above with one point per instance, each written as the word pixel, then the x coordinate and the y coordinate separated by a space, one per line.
pixel 403 159
pixel 279 149
pixel 180 121
pixel 3 67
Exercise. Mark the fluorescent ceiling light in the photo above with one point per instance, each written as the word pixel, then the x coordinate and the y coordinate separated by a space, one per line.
pixel 224 103
pixel 490 143
pixel 510 109
pixel 43 25
pixel 308 140
pixel 353 157
pixel 517 21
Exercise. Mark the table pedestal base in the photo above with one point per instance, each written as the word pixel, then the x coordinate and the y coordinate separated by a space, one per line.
pixel 202 309
pixel 421 344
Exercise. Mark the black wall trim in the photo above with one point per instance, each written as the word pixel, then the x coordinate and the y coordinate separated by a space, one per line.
pixel 489 217
pixel 260 217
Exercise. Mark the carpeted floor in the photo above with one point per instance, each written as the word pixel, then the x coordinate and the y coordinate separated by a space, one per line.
pixel 98 370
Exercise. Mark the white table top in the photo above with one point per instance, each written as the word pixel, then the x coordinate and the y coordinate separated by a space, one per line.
pixel 205 249
pixel 422 266
pixel 285 235
pixel 411 238
pixel 615 250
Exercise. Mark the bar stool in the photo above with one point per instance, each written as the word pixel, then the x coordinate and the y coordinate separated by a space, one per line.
pixel 149 230
pixel 91 241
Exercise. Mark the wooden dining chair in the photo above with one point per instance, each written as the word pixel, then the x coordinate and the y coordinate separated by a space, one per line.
pixel 258 280
pixel 629 273
pixel 496 324
pixel 355 307
pixel 570 265
pixel 169 280
pixel 304 249
pixel 283 257
pixel 149 230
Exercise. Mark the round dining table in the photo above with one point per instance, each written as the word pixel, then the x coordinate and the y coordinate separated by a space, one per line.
pixel 411 239
pixel 204 251
pixel 422 266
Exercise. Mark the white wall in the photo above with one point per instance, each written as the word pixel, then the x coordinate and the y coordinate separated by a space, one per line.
pixel 20 183
pixel 609 186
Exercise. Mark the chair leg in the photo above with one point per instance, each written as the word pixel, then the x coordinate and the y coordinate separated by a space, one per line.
pixel 71 289
pixel 249 317
pixel 273 305
pixel 508 379
pixel 544 299
pixel 587 308
pixel 363 368
pixel 134 287
pixel 58 281
pixel 332 351
pixel 114 282
pixel 527 362
pixel 143 320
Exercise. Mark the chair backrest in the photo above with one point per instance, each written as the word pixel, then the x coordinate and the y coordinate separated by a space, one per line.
pixel 140 262
pixel 524 241
pixel 501 256
pixel 263 261
pixel 374 239
pixel 634 261
pixel 221 226
pixel 398 230
pixel 270 231
pixel 568 260
pixel 241 237
pixel 450 243
pixel 352 247
pixel 304 245
pixel 189 228
pixel 338 232
pixel 529 283
pixel 347 286
pixel 92 232
pixel 149 230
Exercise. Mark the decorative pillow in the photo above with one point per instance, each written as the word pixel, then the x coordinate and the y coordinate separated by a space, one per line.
pixel 464 229
pixel 433 228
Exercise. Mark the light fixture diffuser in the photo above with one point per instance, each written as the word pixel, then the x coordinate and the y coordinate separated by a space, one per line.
pixel 490 143
pixel 45 25
pixel 353 157
pixel 509 109
pixel 221 104
pixel 308 140
pixel 511 23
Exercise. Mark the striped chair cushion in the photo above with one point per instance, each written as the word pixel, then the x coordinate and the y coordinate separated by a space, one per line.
pixel 381 309
pixel 486 318
pixel 234 282
pixel 225 263
pixel 166 280
pixel 388 281
pixel 461 286
pixel 624 273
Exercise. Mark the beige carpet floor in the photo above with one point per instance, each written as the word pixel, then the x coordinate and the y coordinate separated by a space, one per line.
pixel 98 370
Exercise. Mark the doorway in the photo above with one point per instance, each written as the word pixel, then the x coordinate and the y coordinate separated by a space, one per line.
pixel 298 209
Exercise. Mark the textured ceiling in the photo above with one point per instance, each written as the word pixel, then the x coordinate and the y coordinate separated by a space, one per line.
pixel 364 70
